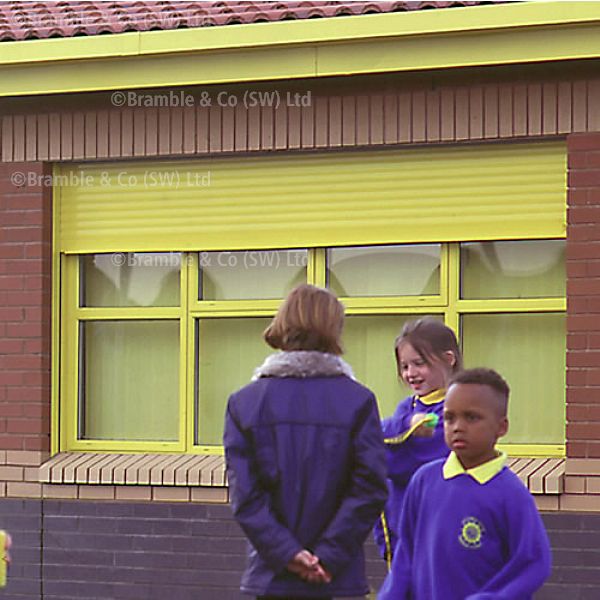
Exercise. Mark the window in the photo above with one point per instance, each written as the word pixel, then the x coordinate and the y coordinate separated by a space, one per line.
pixel 152 344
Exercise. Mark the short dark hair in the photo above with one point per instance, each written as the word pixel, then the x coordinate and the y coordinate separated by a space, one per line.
pixel 431 339
pixel 488 377
pixel 310 318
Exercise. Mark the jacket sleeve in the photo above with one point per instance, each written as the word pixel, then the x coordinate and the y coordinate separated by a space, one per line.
pixel 366 494
pixel 397 584
pixel 250 502
pixel 529 561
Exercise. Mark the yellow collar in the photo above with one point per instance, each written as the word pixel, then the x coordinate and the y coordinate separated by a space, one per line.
pixel 433 397
pixel 482 474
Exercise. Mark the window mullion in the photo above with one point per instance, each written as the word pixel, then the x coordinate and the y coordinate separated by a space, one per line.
pixel 317 268
pixel 452 318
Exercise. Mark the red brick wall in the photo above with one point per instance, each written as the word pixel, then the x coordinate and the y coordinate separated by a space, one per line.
pixel 583 296
pixel 25 306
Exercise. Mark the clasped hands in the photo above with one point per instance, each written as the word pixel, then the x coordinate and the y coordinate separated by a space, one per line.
pixel 307 566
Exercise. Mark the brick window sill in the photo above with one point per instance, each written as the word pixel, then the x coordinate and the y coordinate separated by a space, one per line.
pixel 542 476
pixel 185 470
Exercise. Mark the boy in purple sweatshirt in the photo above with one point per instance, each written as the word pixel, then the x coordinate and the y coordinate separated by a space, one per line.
pixel 470 529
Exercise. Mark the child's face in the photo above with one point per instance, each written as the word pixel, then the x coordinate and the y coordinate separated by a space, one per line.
pixel 421 376
pixel 472 423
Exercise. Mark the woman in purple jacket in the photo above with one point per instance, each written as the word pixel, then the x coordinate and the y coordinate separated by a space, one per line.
pixel 305 458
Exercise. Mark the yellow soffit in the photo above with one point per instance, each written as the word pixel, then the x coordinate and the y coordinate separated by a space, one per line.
pixel 510 33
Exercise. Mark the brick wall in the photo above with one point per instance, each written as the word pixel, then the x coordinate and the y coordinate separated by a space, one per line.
pixel 25 294
pixel 181 551
pixel 23 518
pixel 583 297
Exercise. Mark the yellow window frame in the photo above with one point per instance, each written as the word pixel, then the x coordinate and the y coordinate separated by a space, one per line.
pixel 65 371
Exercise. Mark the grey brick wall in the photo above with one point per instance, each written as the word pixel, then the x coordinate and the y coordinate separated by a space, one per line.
pixel 171 551
pixel 575 540
pixel 23 518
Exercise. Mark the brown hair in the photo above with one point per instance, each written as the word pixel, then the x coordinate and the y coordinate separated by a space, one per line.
pixel 489 378
pixel 431 339
pixel 310 318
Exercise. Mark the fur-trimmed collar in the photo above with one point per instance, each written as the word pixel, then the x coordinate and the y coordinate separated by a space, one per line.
pixel 303 363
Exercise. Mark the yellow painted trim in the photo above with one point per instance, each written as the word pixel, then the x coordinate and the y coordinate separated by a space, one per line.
pixel 69 354
pixel 235 308
pixel 124 447
pixel 291 33
pixel 393 302
pixel 184 357
pixel 191 268
pixel 316 272
pixel 56 328
pixel 395 310
pixel 452 317
pixel 533 450
pixel 444 38
pixel 512 305
pixel 127 313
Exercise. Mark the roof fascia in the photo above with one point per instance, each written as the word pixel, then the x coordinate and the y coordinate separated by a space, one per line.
pixel 444 38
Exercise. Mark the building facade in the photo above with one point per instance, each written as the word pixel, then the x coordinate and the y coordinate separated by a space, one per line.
pixel 161 191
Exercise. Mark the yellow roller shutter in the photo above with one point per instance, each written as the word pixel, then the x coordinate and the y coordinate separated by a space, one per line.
pixel 450 193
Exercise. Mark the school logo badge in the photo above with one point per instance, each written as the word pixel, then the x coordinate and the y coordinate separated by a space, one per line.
pixel 471 533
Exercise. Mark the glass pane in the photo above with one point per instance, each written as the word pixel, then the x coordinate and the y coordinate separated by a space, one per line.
pixel 129 380
pixel 250 274
pixel 369 348
pixel 130 279
pixel 528 350
pixel 384 270
pixel 521 269
pixel 228 352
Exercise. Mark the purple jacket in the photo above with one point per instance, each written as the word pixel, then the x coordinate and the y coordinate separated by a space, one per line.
pixel 306 467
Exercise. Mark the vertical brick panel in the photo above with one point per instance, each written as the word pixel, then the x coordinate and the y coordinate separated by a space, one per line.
pixel 78 135
pixel 203 131
pixel 321 123
pixel 215 139
pixel 549 108
pixel 376 120
pixel 490 111
pixel 583 296
pixel 6 131
pixel 419 116
pixel 476 113
pixel 335 121
pixel 90 145
pixel 139 133
pixel 362 120
pixel 349 120
pixel 228 129
pixel 390 119
pixel 433 115
pixel 267 128
pixel 25 297
pixel 189 130
pixel 43 137
pixel 102 139
pixel 405 118
pixel 281 119
pixel 177 130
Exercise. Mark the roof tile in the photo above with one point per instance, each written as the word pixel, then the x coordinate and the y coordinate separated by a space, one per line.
pixel 21 20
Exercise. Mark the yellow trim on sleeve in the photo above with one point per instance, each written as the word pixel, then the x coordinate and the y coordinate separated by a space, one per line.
pixel 482 474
